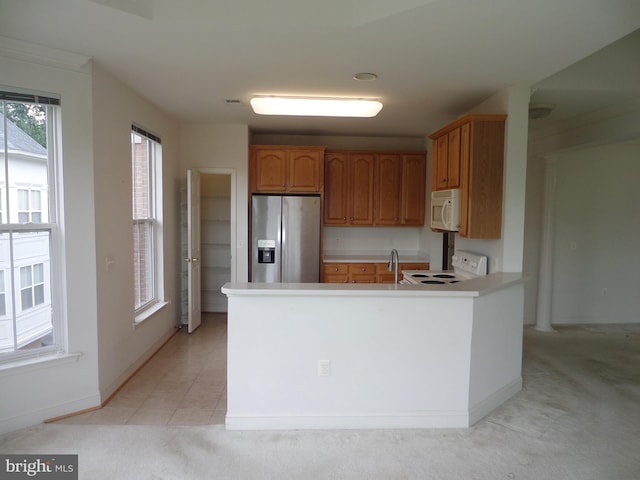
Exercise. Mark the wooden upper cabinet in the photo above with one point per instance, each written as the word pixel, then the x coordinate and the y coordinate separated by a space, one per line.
pixel 453 161
pixel 388 187
pixel 336 181
pixel 270 170
pixel 374 188
pixel 446 167
pixel 281 169
pixel 348 192
pixel 360 190
pixel 480 164
pixel 305 170
pixel 414 172
pixel 440 160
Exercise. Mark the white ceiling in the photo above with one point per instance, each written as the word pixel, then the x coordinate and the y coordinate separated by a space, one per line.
pixel 434 59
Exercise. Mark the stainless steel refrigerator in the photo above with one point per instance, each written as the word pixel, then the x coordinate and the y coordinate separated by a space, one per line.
pixel 285 238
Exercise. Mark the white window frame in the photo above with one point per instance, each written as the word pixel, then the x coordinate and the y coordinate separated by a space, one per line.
pixel 155 222
pixel 52 225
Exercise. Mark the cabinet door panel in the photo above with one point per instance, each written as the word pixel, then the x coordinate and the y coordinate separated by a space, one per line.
pixel 336 176
pixel 465 158
pixel 361 174
pixel 453 162
pixel 414 173
pixel 271 171
pixel 387 192
pixel 440 163
pixel 305 171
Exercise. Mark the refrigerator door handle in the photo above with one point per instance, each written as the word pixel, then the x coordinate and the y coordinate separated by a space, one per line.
pixel 283 246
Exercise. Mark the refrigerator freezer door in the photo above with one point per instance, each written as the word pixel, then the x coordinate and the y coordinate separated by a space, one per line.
pixel 266 214
pixel 301 239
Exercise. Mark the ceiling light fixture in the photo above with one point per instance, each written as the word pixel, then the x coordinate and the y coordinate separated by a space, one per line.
pixel 365 77
pixel 540 110
pixel 316 106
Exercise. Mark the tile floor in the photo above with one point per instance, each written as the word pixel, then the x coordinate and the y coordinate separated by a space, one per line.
pixel 185 383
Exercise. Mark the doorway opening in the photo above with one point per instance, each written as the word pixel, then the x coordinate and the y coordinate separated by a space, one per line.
pixel 210 216
pixel 215 239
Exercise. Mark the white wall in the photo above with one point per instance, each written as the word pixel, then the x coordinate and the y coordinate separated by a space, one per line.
pixel 122 347
pixel 601 140
pixel 32 394
pixel 227 147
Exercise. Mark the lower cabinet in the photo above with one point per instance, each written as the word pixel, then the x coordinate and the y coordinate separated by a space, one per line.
pixel 365 272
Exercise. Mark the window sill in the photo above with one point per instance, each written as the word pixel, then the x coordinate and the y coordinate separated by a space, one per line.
pixel 35 363
pixel 148 313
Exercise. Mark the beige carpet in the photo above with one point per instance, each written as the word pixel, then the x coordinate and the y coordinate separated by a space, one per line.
pixel 578 417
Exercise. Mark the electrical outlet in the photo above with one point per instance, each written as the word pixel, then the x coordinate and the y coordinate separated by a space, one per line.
pixel 604 292
pixel 324 368
pixel 573 246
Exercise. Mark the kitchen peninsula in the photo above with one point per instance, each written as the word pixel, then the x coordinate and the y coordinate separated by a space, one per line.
pixel 327 356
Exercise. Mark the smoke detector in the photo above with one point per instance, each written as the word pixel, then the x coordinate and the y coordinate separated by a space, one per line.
pixel 540 110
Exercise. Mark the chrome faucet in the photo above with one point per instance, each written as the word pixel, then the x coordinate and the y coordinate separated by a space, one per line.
pixel 393 259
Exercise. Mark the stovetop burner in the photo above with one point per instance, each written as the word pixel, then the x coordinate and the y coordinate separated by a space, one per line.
pixel 466 265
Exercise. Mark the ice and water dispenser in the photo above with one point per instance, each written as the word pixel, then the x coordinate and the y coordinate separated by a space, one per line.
pixel 266 251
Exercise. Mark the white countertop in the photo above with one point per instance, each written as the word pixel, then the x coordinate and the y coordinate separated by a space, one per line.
pixel 469 288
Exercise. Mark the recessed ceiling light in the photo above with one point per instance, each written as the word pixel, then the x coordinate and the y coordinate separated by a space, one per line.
pixel 316 106
pixel 365 77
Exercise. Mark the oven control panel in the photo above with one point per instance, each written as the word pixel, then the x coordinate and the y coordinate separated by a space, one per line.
pixel 469 262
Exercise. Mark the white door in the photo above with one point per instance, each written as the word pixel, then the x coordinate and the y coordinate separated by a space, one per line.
pixel 193 249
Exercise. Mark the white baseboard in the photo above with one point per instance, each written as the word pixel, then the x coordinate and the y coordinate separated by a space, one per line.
pixel 34 417
pixel 442 419
pixel 334 422
pixel 493 401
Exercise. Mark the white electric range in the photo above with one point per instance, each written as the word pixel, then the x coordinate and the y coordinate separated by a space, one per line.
pixel 466 265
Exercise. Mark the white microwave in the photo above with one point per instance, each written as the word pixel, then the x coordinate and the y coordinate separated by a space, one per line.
pixel 445 210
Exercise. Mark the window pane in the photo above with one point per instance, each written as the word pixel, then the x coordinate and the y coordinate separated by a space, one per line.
pixel 141 177
pixel 23 199
pixel 143 262
pixel 35 200
pixel 26 314
pixel 25 128
pixel 3 302
pixel 38 294
pixel 25 277
pixel 38 273
pixel 26 298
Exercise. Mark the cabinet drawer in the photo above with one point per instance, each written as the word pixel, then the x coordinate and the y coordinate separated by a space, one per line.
pixel 335 268
pixel 362 268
